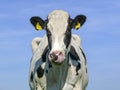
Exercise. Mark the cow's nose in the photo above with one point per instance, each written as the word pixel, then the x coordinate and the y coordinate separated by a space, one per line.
pixel 54 55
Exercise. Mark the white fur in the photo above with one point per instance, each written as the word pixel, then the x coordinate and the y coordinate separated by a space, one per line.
pixel 35 43
pixel 59 77
pixel 58 22
pixel 59 74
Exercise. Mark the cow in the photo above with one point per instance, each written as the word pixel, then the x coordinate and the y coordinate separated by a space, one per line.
pixel 58 61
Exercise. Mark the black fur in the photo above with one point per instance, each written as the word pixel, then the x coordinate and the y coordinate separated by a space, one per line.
pixel 84 56
pixel 36 19
pixel 44 54
pixel 86 70
pixel 67 37
pixel 80 18
pixel 40 72
pixel 73 54
pixel 78 67
pixel 49 38
pixel 31 77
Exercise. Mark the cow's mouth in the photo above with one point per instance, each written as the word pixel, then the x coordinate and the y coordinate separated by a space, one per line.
pixel 58 61
pixel 56 58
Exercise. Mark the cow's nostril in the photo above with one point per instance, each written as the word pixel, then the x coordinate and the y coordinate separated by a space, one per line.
pixel 53 56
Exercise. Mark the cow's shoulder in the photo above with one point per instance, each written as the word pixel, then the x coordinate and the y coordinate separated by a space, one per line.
pixel 76 48
pixel 76 53
pixel 39 53
pixel 76 40
pixel 35 43
pixel 39 43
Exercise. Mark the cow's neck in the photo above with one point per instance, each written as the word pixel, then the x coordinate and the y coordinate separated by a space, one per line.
pixel 57 75
pixel 59 69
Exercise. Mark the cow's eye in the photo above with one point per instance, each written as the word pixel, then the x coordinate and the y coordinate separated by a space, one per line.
pixel 67 32
pixel 48 33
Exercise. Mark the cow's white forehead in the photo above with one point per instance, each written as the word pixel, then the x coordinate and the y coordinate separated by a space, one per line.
pixel 58 19
pixel 58 14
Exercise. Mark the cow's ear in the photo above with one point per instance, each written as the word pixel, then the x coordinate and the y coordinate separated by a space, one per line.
pixel 38 23
pixel 78 21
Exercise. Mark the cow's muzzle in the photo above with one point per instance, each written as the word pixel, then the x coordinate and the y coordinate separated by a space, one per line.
pixel 56 57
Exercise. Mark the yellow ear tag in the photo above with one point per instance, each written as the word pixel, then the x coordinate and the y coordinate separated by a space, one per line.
pixel 77 26
pixel 38 26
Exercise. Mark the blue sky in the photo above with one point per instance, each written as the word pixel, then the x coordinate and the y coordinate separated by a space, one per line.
pixel 100 39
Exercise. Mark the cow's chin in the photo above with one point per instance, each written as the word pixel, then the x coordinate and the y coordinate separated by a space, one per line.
pixel 57 62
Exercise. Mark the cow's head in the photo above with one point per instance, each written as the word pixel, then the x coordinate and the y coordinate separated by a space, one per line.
pixel 58 26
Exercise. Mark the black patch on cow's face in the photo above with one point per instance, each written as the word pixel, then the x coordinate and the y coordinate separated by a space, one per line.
pixel 40 72
pixel 49 36
pixel 67 37
pixel 73 54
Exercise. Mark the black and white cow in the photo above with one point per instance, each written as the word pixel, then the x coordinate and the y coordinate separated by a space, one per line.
pixel 58 61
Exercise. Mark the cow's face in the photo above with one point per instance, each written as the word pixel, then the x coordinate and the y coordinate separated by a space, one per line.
pixel 58 28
